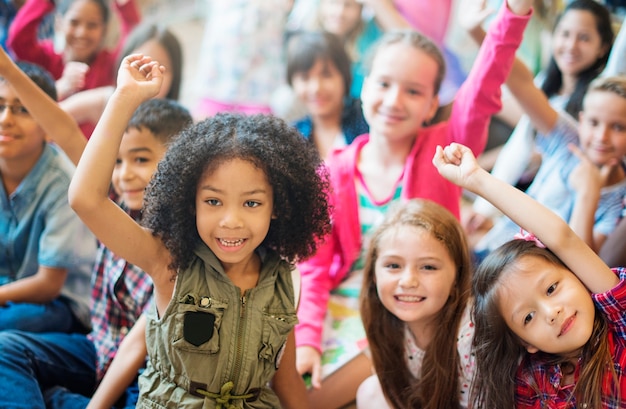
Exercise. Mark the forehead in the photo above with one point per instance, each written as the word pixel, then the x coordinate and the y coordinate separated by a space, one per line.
pixel 7 92
pixel 236 175
pixel 404 62
pixel 140 139
pixel 578 20
pixel 605 103
pixel 415 241
pixel 84 9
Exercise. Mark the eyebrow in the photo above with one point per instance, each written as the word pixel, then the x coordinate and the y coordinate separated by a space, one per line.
pixel 140 149
pixel 247 193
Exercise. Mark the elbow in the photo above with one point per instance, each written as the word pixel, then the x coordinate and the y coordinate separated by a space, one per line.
pixel 79 200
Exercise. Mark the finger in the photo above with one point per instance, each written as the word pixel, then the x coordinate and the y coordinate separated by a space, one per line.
pixel 316 376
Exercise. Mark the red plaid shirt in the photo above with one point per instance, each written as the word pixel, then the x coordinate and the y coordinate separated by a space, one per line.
pixel 120 292
pixel 538 383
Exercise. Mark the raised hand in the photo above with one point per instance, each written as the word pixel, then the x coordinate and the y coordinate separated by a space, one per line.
pixel 72 80
pixel 140 75
pixel 456 163
pixel 474 14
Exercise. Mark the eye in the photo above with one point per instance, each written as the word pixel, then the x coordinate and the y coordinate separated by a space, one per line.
pixel 528 318
pixel 141 159
pixel 551 289
pixel 383 84
pixel 619 128
pixel 392 266
pixel 212 202
pixel 429 267
pixel 118 162
pixel 19 109
pixel 413 92
pixel 251 203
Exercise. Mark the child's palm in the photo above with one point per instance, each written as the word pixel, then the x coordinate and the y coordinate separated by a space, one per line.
pixel 140 75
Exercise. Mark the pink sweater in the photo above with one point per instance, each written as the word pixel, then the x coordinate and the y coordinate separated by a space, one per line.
pixel 477 100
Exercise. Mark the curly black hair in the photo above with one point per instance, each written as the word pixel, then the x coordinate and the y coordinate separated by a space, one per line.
pixel 293 168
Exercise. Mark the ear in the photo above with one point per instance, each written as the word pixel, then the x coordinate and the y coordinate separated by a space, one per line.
pixel 530 348
pixel 432 111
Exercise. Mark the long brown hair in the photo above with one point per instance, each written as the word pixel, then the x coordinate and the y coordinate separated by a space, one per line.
pixel 498 351
pixel 438 385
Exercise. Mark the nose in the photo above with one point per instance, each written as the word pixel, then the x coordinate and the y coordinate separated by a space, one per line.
pixel 408 279
pixel 6 116
pixel 392 96
pixel 601 133
pixel 125 170
pixel 231 219
pixel 552 312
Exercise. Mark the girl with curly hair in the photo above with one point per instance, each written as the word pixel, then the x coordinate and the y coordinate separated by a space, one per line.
pixel 549 313
pixel 414 306
pixel 234 203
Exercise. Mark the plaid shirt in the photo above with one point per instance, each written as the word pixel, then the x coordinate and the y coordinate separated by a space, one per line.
pixel 536 375
pixel 120 293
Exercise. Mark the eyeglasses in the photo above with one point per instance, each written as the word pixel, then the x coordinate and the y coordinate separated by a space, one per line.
pixel 16 109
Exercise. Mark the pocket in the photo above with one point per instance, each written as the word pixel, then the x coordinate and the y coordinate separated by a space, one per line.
pixel 276 328
pixel 197 326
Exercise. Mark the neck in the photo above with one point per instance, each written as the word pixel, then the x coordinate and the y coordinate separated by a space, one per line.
pixel 568 84
pixel 13 171
pixel 422 333
pixel 386 153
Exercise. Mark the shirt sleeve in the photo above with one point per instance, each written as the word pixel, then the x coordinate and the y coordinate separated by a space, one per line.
pixel 613 304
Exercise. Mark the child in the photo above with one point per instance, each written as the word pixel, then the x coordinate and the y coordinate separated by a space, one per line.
pixel 47 253
pixel 541 340
pixel 399 98
pixel 84 26
pixel 318 69
pixel 148 38
pixel 415 295
pixel 120 290
pixel 218 238
pixel 581 45
pixel 600 134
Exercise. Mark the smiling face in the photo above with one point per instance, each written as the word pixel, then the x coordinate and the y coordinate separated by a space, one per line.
pixel 576 43
pixel 21 137
pixel 234 207
pixel 414 276
pixel 137 159
pixel 546 306
pixel 602 128
pixel 399 93
pixel 321 88
pixel 84 28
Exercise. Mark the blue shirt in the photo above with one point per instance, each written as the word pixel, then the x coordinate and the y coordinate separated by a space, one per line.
pixel 38 227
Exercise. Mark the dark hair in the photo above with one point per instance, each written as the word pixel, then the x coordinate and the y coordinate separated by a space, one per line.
pixel 153 31
pixel 39 76
pixel 498 350
pixel 164 118
pixel 416 40
pixel 64 5
pixel 304 48
pixel 438 386
pixel 554 78
pixel 292 165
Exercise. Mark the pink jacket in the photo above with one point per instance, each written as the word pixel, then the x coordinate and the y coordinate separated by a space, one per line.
pixel 477 100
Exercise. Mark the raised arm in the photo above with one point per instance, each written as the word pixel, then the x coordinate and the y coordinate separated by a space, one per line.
pixel 386 14
pixel 139 79
pixel 457 164
pixel 87 105
pixel 57 124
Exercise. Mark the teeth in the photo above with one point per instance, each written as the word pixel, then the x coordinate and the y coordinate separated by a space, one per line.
pixel 231 243
pixel 409 298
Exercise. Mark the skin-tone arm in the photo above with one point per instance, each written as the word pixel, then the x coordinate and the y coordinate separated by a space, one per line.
pixel 287 382
pixel 613 251
pixel 457 164
pixel 386 14
pixel 40 288
pixel 130 357
pixel 57 124
pixel 309 360
pixel 587 180
pixel 139 79
pixel 87 106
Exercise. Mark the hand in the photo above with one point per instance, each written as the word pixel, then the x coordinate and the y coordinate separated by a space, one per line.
pixel 474 14
pixel 140 76
pixel 520 7
pixel 72 80
pixel 456 163
pixel 586 177
pixel 309 360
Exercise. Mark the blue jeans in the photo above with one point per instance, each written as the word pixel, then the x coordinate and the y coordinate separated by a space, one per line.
pixel 62 398
pixel 55 316
pixel 32 363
